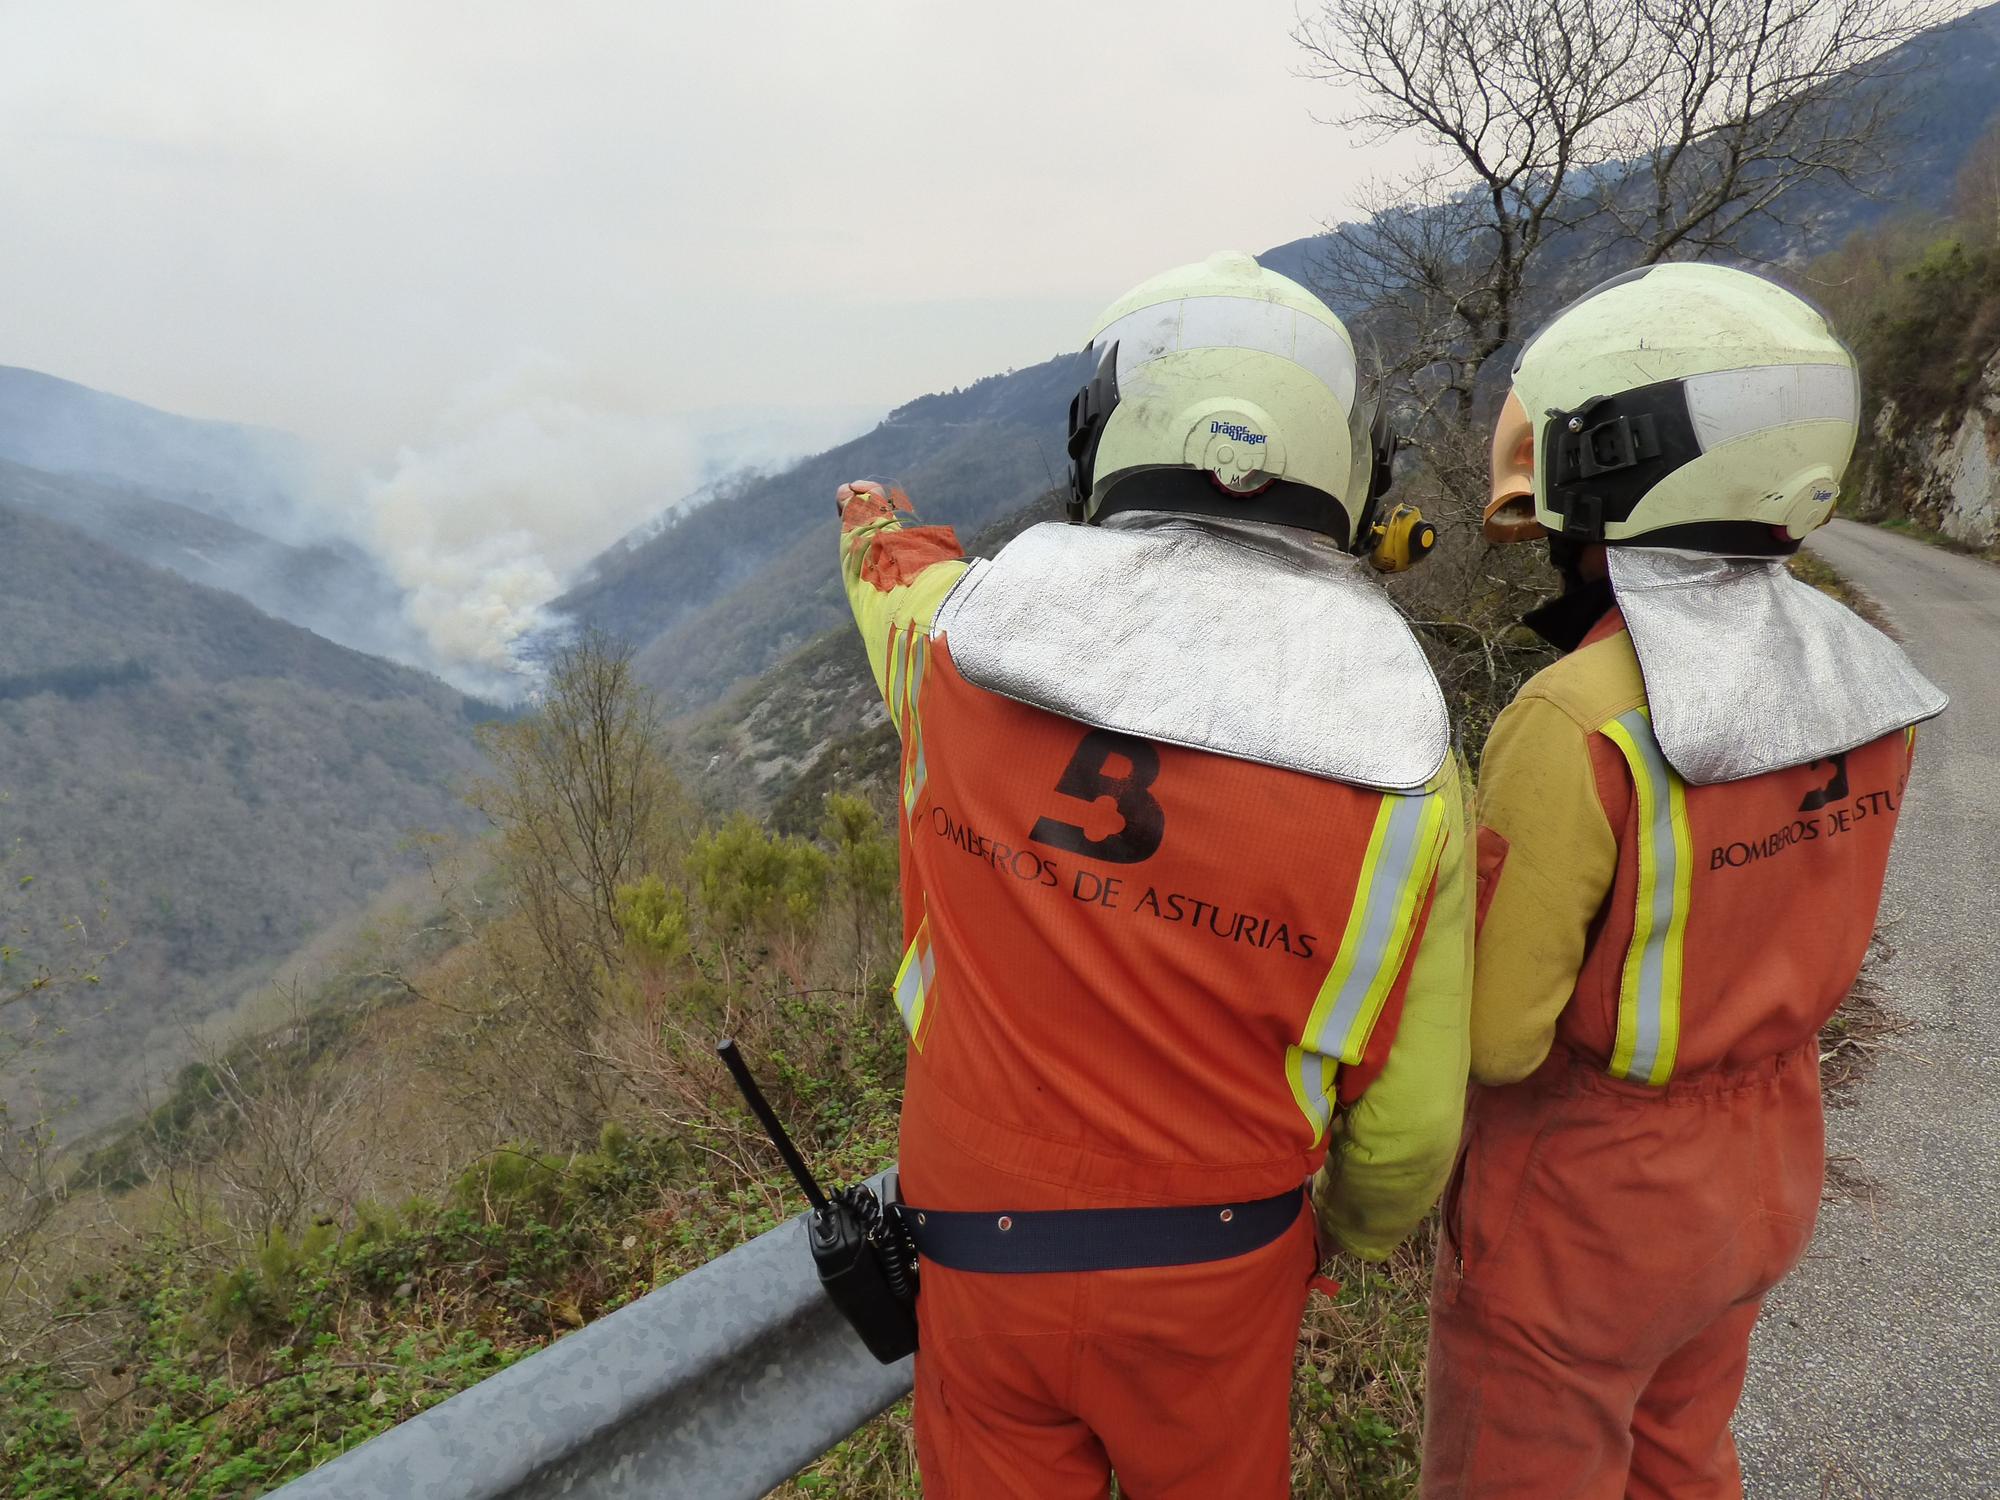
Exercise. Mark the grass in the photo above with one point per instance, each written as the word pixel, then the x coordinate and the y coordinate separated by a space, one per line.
pixel 1855 1035
pixel 235 1378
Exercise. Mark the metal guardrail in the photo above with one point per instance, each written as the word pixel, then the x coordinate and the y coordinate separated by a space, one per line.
pixel 719 1385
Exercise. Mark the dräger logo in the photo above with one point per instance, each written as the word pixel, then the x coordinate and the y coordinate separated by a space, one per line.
pixel 1240 433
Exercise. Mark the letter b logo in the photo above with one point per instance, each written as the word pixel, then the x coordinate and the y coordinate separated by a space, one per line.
pixel 1089 778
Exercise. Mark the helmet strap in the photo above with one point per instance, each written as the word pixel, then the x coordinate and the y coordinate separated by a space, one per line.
pixel 1089 409
pixel 1604 455
pixel 1566 619
pixel 1194 492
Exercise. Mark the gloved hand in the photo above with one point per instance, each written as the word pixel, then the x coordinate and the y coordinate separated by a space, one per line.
pixel 873 495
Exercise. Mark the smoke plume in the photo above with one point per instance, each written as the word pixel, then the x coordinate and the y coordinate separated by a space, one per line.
pixel 529 474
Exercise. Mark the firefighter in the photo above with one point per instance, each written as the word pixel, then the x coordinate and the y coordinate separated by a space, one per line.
pixel 1684 827
pixel 1187 903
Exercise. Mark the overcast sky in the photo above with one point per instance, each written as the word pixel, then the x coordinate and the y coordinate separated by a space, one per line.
pixel 338 218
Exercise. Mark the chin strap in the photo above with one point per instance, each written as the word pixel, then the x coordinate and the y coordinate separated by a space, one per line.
pixel 1566 619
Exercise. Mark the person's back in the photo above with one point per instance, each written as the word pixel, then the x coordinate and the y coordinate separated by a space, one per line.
pixel 1177 920
pixel 1684 829
pixel 1749 903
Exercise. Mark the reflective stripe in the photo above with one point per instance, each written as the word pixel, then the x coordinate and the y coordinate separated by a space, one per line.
pixel 1649 995
pixel 918 774
pixel 915 980
pixel 1150 333
pixel 1396 872
pixel 898 655
pixel 1725 405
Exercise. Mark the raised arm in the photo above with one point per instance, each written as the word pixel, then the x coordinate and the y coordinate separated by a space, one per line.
pixel 896 574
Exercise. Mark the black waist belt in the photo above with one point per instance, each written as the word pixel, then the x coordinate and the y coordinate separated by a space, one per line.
pixel 1099 1239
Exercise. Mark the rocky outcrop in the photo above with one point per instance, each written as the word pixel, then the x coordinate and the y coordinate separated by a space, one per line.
pixel 1944 472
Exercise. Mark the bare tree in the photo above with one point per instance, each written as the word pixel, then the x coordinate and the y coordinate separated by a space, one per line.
pixel 580 792
pixel 1510 101
pixel 1975 196
pixel 284 1137
pixel 585 803
pixel 1553 132
pixel 1749 100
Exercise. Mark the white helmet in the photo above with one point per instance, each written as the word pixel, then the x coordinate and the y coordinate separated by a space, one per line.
pixel 1688 406
pixel 1225 389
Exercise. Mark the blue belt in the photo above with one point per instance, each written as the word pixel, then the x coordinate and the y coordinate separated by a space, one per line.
pixel 1098 1239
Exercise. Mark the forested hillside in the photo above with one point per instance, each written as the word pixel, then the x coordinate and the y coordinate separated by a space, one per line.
pixel 204 784
pixel 247 509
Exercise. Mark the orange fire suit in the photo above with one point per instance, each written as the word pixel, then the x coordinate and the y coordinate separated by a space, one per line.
pixel 1139 975
pixel 1644 1149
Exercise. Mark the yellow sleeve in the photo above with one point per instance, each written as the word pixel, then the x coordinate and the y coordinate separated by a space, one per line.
pixel 1390 1153
pixel 896 577
pixel 1552 858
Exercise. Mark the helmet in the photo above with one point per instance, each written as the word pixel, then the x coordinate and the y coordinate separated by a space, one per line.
pixel 1688 406
pixel 1225 389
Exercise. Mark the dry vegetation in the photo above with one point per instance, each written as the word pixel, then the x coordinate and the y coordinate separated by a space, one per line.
pixel 504 1122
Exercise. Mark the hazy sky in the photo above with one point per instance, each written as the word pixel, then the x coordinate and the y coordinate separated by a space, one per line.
pixel 339 218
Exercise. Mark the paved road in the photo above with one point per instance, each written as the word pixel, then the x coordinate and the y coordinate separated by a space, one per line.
pixel 1875 1374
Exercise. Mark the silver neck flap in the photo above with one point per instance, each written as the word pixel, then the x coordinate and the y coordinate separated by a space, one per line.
pixel 1750 670
pixel 1260 642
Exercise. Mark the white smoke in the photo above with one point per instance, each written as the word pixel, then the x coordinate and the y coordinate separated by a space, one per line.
pixel 529 475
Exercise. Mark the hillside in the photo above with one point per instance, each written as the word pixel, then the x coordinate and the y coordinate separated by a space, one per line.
pixel 813 723
pixel 730 588
pixel 329 587
pixel 221 784
pixel 251 475
pixel 245 509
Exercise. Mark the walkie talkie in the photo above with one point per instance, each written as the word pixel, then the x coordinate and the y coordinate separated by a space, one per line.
pixel 866 1261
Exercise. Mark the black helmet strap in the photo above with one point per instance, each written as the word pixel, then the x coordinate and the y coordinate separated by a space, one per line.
pixel 1193 492
pixel 1089 409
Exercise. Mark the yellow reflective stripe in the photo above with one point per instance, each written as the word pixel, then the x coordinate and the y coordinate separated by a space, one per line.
pixel 914 981
pixel 1396 871
pixel 1649 993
